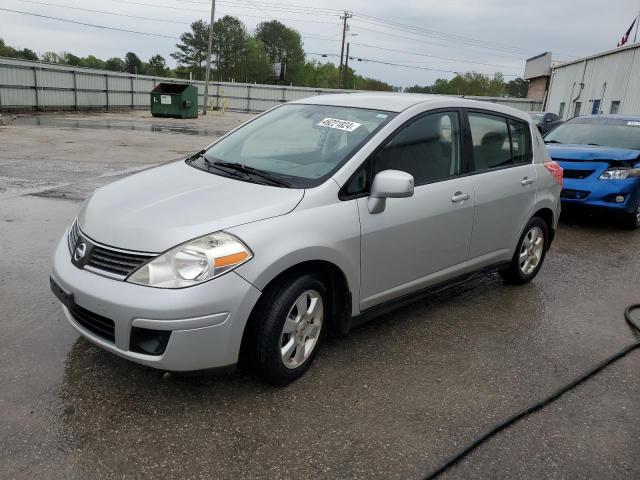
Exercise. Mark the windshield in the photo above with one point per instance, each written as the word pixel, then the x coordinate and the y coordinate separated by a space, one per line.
pixel 616 133
pixel 299 144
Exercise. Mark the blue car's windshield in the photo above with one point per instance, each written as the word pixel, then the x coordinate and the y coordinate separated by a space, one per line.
pixel 607 132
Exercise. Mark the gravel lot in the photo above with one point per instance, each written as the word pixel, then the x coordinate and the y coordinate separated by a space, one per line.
pixel 391 400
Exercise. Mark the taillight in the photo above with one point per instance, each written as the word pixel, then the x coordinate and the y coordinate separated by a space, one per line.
pixel 556 170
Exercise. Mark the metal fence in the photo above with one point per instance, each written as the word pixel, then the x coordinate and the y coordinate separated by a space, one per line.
pixel 38 86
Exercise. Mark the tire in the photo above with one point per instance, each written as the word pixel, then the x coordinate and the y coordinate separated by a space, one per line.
pixel 528 259
pixel 287 339
pixel 632 220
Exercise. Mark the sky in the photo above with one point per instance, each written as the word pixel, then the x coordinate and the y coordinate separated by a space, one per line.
pixel 426 39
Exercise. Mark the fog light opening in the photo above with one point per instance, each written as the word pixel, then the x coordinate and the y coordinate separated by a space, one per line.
pixel 149 342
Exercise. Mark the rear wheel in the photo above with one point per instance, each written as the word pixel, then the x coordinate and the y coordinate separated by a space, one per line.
pixel 291 327
pixel 530 253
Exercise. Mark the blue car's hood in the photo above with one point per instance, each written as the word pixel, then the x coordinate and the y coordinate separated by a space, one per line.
pixel 591 153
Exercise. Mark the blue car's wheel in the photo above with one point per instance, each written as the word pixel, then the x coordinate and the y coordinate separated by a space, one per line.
pixel 633 219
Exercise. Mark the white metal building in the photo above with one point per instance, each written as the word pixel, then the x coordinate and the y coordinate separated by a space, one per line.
pixel 608 82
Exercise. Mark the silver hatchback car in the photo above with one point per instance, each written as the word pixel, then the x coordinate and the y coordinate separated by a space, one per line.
pixel 311 217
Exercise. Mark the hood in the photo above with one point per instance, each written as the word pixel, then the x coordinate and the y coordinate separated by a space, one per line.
pixel 591 153
pixel 162 207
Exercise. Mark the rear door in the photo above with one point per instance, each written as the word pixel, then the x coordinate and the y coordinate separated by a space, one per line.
pixel 424 239
pixel 504 180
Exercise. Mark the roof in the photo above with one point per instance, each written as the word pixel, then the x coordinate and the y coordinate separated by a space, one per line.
pixel 398 102
pixel 389 101
pixel 602 54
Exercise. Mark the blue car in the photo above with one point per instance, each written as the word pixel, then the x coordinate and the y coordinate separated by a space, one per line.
pixel 600 155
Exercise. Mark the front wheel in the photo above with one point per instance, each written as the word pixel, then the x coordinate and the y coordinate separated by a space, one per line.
pixel 632 220
pixel 291 327
pixel 530 253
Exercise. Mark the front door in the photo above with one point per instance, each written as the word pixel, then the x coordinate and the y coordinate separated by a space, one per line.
pixel 421 240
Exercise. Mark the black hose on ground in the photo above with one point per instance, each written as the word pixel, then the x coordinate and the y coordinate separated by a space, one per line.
pixel 452 460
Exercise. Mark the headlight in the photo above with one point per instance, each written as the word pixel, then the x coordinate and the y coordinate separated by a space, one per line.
pixel 193 262
pixel 615 174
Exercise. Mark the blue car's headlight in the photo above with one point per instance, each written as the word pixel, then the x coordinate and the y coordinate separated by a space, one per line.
pixel 619 173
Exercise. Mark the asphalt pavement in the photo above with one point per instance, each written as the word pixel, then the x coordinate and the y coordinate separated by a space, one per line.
pixel 391 400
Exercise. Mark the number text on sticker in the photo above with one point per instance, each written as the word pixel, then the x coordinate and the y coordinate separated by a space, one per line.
pixel 338 124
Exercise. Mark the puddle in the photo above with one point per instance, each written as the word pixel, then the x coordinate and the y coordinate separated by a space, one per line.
pixel 101 124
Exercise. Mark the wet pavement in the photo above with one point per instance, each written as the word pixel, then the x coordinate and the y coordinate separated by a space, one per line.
pixel 391 400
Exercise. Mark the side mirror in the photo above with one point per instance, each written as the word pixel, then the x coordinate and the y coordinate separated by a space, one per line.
pixel 389 184
pixel 548 120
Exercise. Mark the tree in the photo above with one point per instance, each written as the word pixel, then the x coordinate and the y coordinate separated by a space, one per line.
pixel 133 64
pixel 192 52
pixel 27 54
pixel 50 57
pixel 257 67
pixel 157 66
pixel 419 89
pixel 517 88
pixel 229 42
pixel 67 58
pixel 93 62
pixel 284 45
pixel 115 64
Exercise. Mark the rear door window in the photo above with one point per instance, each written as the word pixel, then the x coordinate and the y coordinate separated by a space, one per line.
pixel 499 142
pixel 490 138
pixel 520 142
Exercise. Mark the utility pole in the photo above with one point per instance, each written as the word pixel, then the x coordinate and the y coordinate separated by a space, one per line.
pixel 345 70
pixel 208 70
pixel 345 17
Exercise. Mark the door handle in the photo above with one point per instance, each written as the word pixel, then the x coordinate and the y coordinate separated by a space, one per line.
pixel 459 197
pixel 527 181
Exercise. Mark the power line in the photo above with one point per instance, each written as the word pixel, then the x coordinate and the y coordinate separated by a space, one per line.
pixel 382 62
pixel 446 36
pixel 450 37
pixel 91 24
pixel 275 6
pixel 431 42
pixel 430 56
pixel 105 12
pixel 185 9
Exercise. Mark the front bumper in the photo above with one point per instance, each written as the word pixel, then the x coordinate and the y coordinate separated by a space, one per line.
pixel 601 193
pixel 206 321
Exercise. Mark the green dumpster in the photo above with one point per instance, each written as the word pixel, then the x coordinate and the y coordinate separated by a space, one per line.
pixel 174 100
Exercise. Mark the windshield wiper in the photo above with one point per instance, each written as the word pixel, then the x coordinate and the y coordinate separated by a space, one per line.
pixel 552 141
pixel 239 167
pixel 594 144
pixel 210 164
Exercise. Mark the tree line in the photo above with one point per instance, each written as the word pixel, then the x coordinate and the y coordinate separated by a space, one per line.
pixel 475 84
pixel 240 56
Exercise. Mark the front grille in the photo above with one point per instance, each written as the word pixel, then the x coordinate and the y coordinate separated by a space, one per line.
pixel 580 174
pixel 107 261
pixel 115 261
pixel 101 326
pixel 574 194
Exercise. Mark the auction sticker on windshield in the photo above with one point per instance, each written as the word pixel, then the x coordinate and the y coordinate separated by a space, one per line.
pixel 634 124
pixel 338 124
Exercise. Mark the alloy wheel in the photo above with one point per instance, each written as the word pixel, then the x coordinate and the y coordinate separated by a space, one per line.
pixel 531 251
pixel 301 329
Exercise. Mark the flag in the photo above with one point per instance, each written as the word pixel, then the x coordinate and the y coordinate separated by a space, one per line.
pixel 625 37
